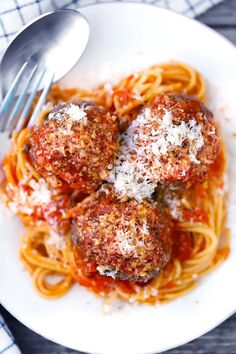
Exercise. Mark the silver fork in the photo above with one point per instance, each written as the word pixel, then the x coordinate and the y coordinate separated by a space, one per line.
pixel 14 110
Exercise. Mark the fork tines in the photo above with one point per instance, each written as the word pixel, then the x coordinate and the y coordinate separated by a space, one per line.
pixel 15 108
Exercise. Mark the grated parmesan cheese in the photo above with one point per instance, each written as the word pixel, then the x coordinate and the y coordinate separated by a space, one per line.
pixel 127 236
pixel 66 128
pixel 76 113
pixel 25 202
pixel 170 136
pixel 131 236
pixel 145 229
pixel 56 240
pixel 146 292
pixel 41 193
pixel 125 242
pixel 107 271
pixel 174 205
pixel 142 147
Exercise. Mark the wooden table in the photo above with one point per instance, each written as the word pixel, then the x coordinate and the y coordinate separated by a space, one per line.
pixel 221 340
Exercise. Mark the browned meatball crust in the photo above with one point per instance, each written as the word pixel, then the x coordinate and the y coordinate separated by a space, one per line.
pixel 187 135
pixel 172 141
pixel 75 145
pixel 127 240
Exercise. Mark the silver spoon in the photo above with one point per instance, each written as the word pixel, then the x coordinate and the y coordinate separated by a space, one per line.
pixel 53 42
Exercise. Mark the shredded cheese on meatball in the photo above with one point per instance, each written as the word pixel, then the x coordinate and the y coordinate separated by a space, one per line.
pixel 67 116
pixel 142 147
pixel 170 136
pixel 130 236
pixel 174 204
pixel 76 113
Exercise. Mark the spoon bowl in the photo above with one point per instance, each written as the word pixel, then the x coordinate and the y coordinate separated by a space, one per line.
pixel 54 41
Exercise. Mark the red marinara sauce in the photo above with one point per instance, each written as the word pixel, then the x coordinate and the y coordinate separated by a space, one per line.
pixel 183 245
pixel 91 279
pixel 195 215
pixel 217 169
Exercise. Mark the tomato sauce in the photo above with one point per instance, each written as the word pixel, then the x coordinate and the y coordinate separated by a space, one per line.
pixel 10 162
pixel 183 245
pixel 217 168
pixel 96 282
pixel 225 251
pixel 195 215
pixel 123 96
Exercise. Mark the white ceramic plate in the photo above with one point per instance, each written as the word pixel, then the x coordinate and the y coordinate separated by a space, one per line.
pixel 124 38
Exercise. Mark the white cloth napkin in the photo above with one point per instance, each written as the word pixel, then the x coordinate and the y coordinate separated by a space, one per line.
pixel 16 13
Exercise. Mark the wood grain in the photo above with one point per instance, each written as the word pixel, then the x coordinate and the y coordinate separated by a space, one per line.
pixel 221 340
pixel 229 33
pixel 222 15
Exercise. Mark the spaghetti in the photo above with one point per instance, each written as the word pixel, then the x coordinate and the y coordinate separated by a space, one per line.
pixel 199 212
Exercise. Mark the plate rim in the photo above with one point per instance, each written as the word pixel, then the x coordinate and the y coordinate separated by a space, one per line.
pixel 223 317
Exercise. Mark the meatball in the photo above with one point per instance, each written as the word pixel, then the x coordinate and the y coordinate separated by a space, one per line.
pixel 75 145
pixel 173 140
pixel 185 139
pixel 125 239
